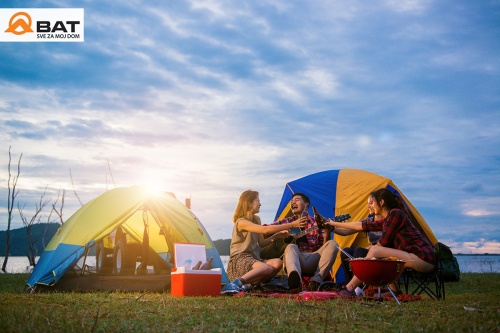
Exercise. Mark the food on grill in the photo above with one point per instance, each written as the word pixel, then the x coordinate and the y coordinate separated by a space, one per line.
pixel 377 258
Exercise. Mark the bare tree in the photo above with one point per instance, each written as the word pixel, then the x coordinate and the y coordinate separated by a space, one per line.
pixel 111 175
pixel 60 211
pixel 44 234
pixel 28 224
pixel 74 191
pixel 11 184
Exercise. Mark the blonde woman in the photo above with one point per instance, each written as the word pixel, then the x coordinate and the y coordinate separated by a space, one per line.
pixel 245 265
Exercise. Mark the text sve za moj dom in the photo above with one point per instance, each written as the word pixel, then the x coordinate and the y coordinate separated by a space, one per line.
pixel 59 26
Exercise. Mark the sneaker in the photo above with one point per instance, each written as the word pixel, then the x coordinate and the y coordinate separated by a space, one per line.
pixel 247 288
pixel 313 286
pixel 294 282
pixel 344 292
pixel 233 287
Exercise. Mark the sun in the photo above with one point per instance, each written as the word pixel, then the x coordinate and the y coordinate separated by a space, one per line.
pixel 154 189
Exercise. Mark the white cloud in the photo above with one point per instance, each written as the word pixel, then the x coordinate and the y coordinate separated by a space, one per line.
pixel 479 247
pixel 481 206
pixel 212 98
pixel 413 6
pixel 218 9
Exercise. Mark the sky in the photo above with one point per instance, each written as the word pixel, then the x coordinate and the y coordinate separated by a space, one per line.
pixel 209 98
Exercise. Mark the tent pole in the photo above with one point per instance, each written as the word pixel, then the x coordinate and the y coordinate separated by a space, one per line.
pixel 84 260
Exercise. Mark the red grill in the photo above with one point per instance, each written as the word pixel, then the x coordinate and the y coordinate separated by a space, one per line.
pixel 377 272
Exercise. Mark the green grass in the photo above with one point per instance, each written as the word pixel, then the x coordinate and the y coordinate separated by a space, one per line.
pixel 471 305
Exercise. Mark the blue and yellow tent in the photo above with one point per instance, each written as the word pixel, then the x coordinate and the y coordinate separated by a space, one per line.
pixel 345 191
pixel 169 221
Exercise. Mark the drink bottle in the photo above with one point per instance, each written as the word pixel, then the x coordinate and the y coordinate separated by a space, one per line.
pixel 320 220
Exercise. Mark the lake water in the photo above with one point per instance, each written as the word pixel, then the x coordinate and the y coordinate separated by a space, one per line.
pixel 468 263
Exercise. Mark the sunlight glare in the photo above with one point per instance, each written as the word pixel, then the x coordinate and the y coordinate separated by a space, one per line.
pixel 154 189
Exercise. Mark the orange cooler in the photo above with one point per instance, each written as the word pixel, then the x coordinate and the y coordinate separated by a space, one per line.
pixel 186 282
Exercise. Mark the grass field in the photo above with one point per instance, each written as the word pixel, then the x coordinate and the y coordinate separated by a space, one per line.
pixel 471 305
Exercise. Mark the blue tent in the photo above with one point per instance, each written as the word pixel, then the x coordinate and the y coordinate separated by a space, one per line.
pixel 345 191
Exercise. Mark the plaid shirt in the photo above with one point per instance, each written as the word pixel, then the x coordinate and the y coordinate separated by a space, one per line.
pixel 398 232
pixel 315 239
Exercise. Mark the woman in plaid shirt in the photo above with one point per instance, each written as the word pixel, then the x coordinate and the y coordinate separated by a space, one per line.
pixel 400 238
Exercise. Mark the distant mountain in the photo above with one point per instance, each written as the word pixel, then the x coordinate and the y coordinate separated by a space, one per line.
pixel 222 246
pixel 42 232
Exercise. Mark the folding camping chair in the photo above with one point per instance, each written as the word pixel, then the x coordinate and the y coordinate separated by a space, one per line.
pixel 432 283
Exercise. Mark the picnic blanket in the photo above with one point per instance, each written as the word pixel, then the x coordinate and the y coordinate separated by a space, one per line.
pixel 279 289
pixel 327 295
